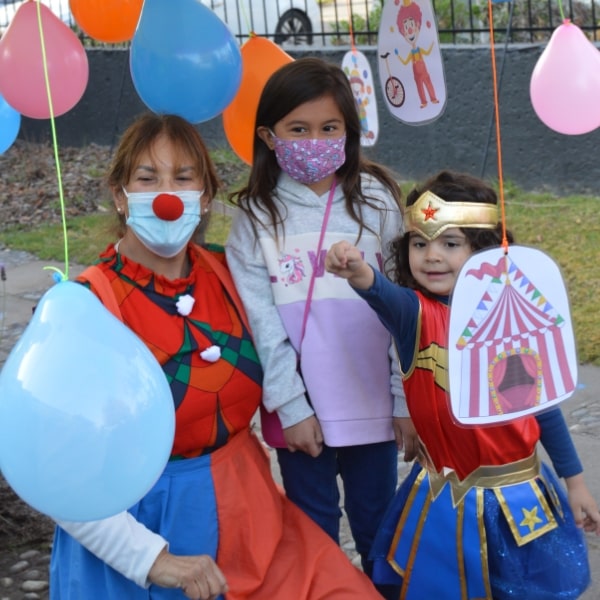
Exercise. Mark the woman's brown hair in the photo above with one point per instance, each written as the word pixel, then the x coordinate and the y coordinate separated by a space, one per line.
pixel 141 135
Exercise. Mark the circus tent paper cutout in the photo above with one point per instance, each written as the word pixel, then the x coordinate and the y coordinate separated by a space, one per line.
pixel 358 70
pixel 511 345
pixel 411 70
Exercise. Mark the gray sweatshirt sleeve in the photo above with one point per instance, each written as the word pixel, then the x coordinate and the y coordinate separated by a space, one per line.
pixel 283 388
pixel 391 227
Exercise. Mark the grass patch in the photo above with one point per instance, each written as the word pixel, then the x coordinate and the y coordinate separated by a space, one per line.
pixel 87 236
pixel 567 229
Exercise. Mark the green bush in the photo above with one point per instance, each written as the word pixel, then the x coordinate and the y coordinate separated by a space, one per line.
pixel 467 22
pixel 364 30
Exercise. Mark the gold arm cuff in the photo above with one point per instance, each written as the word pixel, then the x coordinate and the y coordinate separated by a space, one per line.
pixel 430 215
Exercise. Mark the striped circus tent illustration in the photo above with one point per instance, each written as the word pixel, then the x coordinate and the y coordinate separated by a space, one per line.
pixel 516 349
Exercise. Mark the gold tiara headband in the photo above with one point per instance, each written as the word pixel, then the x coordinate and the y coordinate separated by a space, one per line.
pixel 430 215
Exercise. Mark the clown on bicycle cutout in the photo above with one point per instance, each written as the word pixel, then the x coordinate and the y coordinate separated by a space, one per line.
pixel 411 70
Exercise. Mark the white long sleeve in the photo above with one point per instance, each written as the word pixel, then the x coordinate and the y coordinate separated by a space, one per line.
pixel 121 542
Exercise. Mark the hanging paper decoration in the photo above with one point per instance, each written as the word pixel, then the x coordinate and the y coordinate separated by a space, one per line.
pixel 358 70
pixel 411 70
pixel 511 348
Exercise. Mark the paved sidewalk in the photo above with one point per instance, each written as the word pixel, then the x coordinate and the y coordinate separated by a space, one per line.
pixel 26 281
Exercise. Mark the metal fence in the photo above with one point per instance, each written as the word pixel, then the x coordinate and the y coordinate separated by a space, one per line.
pixel 340 22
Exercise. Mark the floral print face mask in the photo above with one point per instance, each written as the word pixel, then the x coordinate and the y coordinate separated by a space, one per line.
pixel 311 160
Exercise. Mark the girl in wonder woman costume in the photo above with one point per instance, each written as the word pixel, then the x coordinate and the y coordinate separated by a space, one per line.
pixel 455 528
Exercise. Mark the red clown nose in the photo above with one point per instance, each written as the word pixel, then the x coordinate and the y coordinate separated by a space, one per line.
pixel 167 207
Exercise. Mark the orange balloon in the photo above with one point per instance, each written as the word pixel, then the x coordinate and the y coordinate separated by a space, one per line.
pixel 260 59
pixel 108 21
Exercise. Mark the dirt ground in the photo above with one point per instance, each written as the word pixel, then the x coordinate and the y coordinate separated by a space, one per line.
pixel 29 191
pixel 21 527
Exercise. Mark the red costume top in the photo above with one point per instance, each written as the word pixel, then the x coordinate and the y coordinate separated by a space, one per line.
pixel 449 444
pixel 206 394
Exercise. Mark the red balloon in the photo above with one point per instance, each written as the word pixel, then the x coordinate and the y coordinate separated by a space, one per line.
pixel 260 59
pixel 110 21
pixel 22 78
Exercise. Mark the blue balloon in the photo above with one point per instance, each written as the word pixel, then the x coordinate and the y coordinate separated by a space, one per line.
pixel 184 60
pixel 86 413
pixel 10 123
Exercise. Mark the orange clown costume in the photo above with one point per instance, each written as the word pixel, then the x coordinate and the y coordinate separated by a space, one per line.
pixel 216 495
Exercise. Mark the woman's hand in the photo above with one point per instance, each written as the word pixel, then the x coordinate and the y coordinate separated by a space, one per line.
pixel 305 436
pixel 198 577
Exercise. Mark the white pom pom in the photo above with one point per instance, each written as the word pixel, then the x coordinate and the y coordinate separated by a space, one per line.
pixel 212 354
pixel 185 304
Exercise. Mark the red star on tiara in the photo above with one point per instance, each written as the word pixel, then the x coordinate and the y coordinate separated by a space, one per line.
pixel 429 212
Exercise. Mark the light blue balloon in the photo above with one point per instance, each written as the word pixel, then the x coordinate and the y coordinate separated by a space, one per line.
pixel 86 413
pixel 184 60
pixel 10 123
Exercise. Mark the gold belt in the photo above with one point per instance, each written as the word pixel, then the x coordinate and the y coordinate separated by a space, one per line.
pixel 487 476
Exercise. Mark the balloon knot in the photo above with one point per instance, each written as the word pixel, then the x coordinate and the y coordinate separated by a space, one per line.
pixel 58 275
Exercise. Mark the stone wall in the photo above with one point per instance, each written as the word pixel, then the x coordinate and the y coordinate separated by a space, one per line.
pixel 463 138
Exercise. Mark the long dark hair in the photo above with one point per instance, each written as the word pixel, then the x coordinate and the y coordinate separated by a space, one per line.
pixel 451 187
pixel 295 83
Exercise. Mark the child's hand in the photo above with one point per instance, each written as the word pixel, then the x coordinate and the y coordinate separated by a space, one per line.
pixel 305 436
pixel 339 259
pixel 406 437
pixel 583 505
pixel 345 260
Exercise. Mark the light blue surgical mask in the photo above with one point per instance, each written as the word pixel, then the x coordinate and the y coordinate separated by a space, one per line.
pixel 164 221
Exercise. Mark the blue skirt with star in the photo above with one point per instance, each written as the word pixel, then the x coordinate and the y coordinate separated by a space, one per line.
pixel 505 542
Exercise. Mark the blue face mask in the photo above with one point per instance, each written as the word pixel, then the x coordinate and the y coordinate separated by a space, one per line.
pixel 164 221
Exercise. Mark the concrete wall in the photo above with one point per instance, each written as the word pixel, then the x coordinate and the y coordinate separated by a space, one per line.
pixel 463 138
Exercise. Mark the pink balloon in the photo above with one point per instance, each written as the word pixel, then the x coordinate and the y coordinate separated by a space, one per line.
pixel 565 84
pixel 22 80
